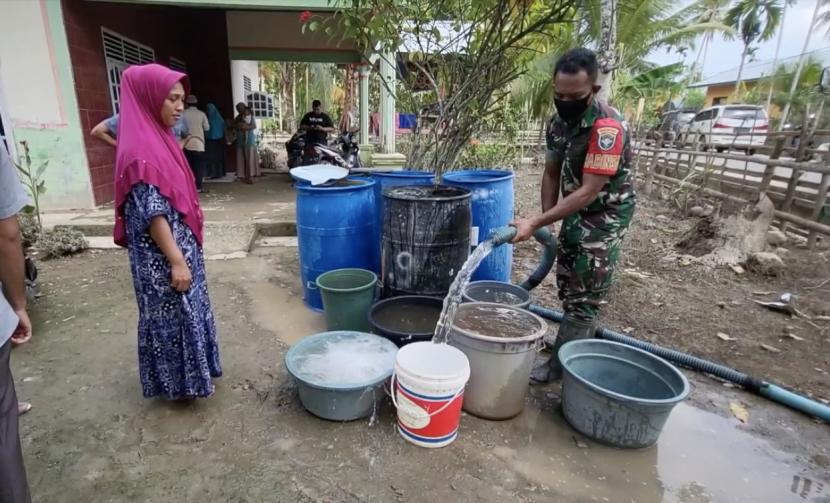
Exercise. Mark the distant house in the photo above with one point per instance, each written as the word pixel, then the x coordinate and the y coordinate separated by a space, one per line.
pixel 720 86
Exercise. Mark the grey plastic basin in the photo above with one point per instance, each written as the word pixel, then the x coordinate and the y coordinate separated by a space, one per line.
pixel 498 292
pixel 321 364
pixel 617 394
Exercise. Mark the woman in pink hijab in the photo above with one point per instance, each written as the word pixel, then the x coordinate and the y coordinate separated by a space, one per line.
pixel 159 221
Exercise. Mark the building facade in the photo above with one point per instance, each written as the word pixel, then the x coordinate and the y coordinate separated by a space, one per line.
pixel 61 63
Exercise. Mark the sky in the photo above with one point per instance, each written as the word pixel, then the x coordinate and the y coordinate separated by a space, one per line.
pixel 724 55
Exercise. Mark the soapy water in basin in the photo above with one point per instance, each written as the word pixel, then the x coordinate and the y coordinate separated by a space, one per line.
pixel 343 361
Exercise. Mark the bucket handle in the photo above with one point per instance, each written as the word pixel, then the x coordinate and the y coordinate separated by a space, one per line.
pixel 441 409
pixel 311 285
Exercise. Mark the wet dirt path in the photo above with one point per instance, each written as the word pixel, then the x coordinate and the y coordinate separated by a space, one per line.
pixel 92 437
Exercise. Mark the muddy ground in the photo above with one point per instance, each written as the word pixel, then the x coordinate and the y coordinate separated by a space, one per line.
pixel 92 437
pixel 685 305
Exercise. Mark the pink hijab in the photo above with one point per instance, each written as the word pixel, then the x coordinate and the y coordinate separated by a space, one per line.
pixel 147 150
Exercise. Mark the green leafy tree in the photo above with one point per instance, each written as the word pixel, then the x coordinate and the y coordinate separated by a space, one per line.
pixel 463 54
pixel 641 27
pixel 694 99
pixel 754 21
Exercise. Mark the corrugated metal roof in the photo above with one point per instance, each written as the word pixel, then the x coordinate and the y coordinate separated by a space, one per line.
pixel 761 69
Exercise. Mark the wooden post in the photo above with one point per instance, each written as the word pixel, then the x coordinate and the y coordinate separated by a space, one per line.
pixel 769 170
pixel 803 142
pixel 821 200
pixel 787 205
pixel 652 165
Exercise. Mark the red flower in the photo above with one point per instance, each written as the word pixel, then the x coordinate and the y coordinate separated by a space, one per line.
pixel 305 16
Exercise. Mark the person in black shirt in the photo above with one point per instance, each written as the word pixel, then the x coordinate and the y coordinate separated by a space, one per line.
pixel 317 124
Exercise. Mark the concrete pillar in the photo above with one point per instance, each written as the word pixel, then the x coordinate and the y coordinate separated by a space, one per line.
pixel 237 71
pixel 363 102
pixel 387 99
pixel 387 159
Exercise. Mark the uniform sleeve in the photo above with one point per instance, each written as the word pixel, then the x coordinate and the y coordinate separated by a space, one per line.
pixel 205 123
pixel 605 148
pixel 146 203
pixel 13 197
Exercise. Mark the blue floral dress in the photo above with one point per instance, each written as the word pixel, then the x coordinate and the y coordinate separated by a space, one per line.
pixel 177 344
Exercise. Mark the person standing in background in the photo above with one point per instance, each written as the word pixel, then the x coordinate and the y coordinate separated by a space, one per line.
pixel 247 159
pixel 15 328
pixel 107 131
pixel 194 145
pixel 214 144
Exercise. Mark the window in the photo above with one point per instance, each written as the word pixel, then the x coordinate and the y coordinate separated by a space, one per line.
pixel 178 65
pixel 262 105
pixel 745 113
pixel 702 116
pixel 719 100
pixel 119 53
pixel 246 84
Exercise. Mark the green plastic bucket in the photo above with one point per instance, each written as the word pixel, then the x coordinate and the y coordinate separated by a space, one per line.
pixel 347 294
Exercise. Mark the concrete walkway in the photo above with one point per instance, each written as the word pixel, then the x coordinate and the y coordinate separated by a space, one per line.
pixel 236 215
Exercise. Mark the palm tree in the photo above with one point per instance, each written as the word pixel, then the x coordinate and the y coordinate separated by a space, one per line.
pixel 710 12
pixel 755 21
pixel 639 27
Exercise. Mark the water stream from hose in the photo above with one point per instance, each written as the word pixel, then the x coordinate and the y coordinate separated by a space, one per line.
pixel 459 284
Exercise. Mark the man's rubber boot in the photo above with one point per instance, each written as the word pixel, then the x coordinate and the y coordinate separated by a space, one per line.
pixel 570 329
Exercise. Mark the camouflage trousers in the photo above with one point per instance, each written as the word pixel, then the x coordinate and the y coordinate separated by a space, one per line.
pixel 589 247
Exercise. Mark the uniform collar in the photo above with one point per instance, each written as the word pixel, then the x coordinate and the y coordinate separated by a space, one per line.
pixel 591 114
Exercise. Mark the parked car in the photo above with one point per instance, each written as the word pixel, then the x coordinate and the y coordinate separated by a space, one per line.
pixel 729 126
pixel 673 125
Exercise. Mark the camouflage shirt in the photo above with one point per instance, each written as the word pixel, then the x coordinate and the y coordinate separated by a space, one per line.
pixel 600 145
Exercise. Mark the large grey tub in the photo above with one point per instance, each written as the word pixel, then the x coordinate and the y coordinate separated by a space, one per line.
pixel 500 362
pixel 617 394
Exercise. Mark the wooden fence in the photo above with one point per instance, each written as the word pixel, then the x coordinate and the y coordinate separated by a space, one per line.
pixel 797 187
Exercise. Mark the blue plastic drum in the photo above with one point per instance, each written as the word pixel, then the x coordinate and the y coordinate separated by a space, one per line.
pixel 334 225
pixel 492 206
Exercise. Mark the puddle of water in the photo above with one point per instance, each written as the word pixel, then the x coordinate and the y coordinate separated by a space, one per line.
pixel 700 458
pixel 280 309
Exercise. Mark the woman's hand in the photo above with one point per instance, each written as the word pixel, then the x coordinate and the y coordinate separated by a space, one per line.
pixel 180 276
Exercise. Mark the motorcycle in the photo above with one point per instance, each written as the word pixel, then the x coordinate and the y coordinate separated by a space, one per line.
pixel 30 275
pixel 345 153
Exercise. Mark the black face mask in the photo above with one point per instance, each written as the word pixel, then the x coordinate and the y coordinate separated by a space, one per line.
pixel 571 111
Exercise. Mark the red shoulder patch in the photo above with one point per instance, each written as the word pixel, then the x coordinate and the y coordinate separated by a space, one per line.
pixel 604 148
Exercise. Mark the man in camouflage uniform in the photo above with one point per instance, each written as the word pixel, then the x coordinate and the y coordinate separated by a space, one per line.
pixel 589 157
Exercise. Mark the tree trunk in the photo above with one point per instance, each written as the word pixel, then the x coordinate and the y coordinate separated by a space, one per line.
pixel 775 58
pixel 293 97
pixel 798 70
pixel 607 47
pixel 740 72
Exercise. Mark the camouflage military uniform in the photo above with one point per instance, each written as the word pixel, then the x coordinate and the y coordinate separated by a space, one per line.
pixel 589 242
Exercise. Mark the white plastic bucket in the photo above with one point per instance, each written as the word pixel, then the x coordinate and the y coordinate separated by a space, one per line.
pixel 428 391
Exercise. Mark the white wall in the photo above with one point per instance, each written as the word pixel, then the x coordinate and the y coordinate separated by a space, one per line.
pixel 239 69
pixel 26 66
